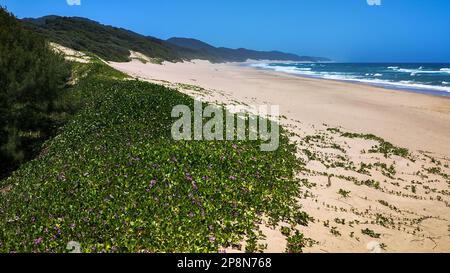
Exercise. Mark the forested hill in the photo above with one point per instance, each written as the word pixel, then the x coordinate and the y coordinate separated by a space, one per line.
pixel 114 44
pixel 109 43
pixel 240 54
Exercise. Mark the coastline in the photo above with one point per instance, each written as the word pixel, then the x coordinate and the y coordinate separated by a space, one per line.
pixel 357 198
pixel 424 91
pixel 272 133
pixel 416 121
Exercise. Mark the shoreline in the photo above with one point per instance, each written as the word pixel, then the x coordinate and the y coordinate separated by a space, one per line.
pixel 417 121
pixel 427 92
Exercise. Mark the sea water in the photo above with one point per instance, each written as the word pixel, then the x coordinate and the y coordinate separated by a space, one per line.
pixel 426 78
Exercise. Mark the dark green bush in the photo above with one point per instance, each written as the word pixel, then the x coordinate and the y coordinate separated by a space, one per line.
pixel 31 80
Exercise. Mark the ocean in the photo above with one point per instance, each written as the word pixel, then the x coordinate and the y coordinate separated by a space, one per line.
pixel 425 78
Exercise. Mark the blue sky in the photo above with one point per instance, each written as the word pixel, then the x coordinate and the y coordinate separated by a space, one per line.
pixel 344 30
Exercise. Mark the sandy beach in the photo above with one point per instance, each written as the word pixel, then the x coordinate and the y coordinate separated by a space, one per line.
pixel 408 208
pixel 419 122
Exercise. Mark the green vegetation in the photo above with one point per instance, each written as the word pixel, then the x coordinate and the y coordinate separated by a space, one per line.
pixel 220 54
pixel 114 44
pixel 370 183
pixel 383 220
pixel 364 168
pixel 437 171
pixel 387 171
pixel 384 147
pixel 109 43
pixel 370 233
pixel 296 243
pixel 285 231
pixel 386 204
pixel 344 193
pixel 32 79
pixel 335 232
pixel 115 181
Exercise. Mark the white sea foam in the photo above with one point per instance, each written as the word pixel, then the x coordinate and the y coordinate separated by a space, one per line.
pixel 354 78
pixel 419 70
pixel 374 75
pixel 414 72
pixel 404 84
pixel 285 69
pixel 407 70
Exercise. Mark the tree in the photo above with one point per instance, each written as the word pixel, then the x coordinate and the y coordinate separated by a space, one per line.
pixel 32 77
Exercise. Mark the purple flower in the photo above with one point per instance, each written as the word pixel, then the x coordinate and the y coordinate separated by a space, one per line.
pixel 205 177
pixel 38 241
pixel 232 177
pixel 57 229
pixel 194 185
pixel 188 177
pixel 212 239
pixel 190 215
pixel 152 183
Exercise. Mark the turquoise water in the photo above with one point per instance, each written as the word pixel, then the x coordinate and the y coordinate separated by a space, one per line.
pixel 417 77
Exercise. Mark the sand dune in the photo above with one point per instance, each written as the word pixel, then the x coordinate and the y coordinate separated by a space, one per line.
pixel 362 198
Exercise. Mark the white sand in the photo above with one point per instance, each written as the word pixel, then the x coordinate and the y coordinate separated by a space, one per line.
pixel 70 54
pixel 416 121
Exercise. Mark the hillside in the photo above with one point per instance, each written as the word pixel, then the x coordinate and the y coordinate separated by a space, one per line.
pixel 114 44
pixel 240 54
pixel 109 43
